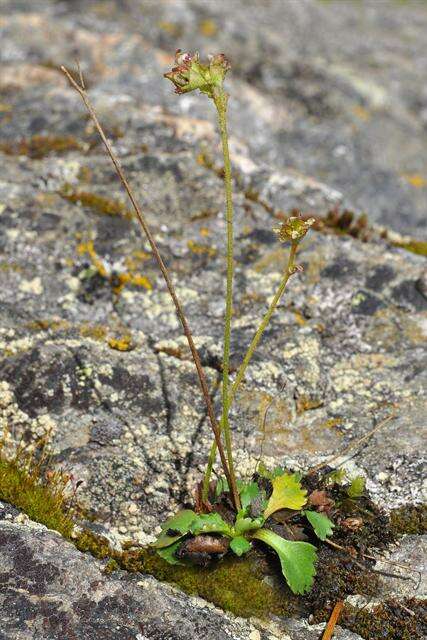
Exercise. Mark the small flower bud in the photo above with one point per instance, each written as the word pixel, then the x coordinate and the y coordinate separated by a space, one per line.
pixel 293 229
pixel 190 74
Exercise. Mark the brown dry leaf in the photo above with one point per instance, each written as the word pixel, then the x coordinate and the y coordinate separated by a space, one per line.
pixel 320 499
pixel 206 544
pixel 200 505
pixel 352 524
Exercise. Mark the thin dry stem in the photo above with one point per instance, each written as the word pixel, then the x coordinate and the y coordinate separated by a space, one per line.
pixel 141 219
pixel 354 444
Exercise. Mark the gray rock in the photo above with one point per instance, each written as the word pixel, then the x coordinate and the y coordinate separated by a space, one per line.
pixel 411 559
pixel 326 93
pixel 51 591
pixel 302 630
pixel 327 110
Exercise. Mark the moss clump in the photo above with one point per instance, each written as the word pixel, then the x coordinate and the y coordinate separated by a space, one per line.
pixel 338 576
pixel 392 620
pixel 236 585
pixel 97 203
pixel 248 586
pixel 414 246
pixel 409 519
pixel 39 146
pixel 42 499
pixel 96 545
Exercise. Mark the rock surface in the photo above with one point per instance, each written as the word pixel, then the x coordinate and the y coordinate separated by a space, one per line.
pixel 51 591
pixel 328 108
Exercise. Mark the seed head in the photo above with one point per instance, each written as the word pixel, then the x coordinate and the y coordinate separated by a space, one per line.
pixel 293 229
pixel 190 74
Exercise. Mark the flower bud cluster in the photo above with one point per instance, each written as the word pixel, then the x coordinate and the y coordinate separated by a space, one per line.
pixel 190 74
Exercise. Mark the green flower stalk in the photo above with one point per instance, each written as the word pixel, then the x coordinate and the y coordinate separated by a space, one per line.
pixel 190 74
pixel 292 230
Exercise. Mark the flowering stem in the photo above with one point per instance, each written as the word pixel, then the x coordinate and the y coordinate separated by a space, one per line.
pixel 289 270
pixel 220 100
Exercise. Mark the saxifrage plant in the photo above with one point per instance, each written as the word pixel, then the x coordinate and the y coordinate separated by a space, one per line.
pixel 231 514
pixel 253 507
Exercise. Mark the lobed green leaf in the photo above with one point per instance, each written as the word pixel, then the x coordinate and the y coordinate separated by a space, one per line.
pixel 168 553
pixel 180 524
pixel 296 558
pixel 357 487
pixel 321 524
pixel 210 523
pixel 287 494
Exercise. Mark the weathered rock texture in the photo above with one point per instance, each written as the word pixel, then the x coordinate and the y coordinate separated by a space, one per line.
pixel 328 109
pixel 51 591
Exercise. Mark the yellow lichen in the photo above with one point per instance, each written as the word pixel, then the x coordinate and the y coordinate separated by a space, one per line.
pixel 208 28
pixel 135 279
pixel 305 403
pixel 121 344
pixel 201 249
pixel 414 246
pixel 96 332
pixel 415 180
pixel 171 28
pixel 89 249
pixel 40 146
pixel 48 325
pixel 95 202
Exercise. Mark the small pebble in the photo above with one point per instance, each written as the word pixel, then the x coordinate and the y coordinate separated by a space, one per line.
pixel 382 476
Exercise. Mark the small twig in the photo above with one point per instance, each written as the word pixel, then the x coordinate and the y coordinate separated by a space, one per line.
pixel 335 545
pixel 354 443
pixel 336 612
pixel 141 219
pixel 396 564
pixel 402 606
pixel 364 567
pixel 79 69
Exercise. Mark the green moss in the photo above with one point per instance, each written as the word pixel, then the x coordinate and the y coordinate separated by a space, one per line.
pixel 21 484
pixel 234 584
pixel 111 566
pixel 414 246
pixel 96 545
pixel 238 585
pixel 248 586
pixel 337 577
pixel 409 519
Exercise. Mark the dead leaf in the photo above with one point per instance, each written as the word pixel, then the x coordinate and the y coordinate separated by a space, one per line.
pixel 321 500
